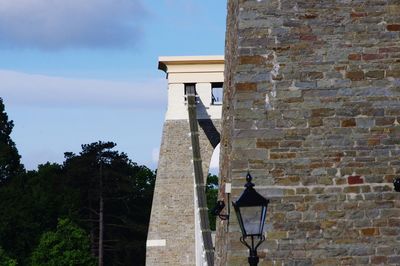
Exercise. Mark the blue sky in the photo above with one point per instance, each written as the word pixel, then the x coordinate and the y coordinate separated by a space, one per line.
pixel 78 71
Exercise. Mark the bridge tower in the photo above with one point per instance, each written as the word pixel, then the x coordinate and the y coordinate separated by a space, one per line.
pixel 174 236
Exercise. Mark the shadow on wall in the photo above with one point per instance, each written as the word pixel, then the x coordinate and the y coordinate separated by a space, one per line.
pixel 207 124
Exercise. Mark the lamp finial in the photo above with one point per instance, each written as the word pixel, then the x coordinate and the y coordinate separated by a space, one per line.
pixel 249 184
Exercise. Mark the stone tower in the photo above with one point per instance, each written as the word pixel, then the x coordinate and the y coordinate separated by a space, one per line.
pixel 312 108
pixel 173 237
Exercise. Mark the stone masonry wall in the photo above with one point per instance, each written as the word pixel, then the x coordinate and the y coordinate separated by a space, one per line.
pixel 313 90
pixel 221 239
pixel 172 213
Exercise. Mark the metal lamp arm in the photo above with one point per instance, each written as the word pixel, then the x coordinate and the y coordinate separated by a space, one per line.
pixel 262 239
pixel 242 239
pixel 252 247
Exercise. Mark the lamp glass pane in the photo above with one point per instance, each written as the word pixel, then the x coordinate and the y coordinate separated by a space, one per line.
pixel 253 219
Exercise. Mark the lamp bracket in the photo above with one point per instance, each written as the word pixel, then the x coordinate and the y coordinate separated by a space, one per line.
pixel 218 209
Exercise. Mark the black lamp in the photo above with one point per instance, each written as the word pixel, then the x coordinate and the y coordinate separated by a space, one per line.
pixel 251 211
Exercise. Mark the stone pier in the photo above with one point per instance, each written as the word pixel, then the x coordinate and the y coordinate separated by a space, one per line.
pixel 312 108
pixel 172 233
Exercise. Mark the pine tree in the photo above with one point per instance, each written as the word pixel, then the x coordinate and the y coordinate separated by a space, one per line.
pixel 9 158
pixel 114 203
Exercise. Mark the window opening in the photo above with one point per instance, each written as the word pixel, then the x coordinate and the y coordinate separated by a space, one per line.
pixel 217 93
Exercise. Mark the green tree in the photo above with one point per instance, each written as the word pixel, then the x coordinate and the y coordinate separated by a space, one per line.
pixel 68 246
pixel 9 158
pixel 212 195
pixel 115 196
pixel 5 260
pixel 30 205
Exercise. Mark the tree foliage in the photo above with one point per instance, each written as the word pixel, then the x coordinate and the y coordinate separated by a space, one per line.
pixel 68 245
pixel 5 260
pixel 99 172
pixel 212 195
pixel 9 158
pixel 31 204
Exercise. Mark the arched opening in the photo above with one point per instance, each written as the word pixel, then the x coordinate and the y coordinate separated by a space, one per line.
pixel 214 164
pixel 212 186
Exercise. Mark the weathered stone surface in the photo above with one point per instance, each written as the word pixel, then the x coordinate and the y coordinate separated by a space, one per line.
pixel 315 84
pixel 172 214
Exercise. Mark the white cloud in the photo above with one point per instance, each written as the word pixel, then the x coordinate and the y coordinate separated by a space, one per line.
pixel 40 90
pixel 58 24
